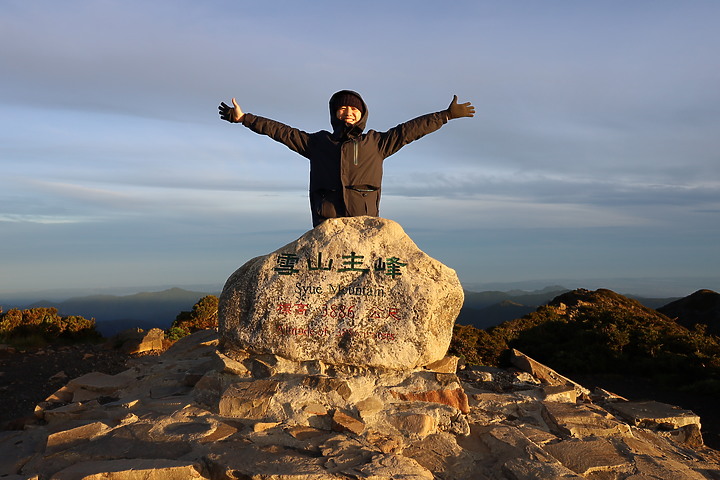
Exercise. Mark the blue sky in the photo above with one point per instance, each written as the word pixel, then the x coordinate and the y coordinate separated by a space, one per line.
pixel 593 156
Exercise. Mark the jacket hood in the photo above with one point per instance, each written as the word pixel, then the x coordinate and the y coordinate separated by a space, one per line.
pixel 340 128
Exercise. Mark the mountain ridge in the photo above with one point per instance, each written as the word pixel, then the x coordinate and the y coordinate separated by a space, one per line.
pixel 150 309
pixel 113 313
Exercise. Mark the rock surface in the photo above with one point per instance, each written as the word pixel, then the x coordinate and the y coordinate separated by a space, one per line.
pixel 136 340
pixel 194 412
pixel 352 291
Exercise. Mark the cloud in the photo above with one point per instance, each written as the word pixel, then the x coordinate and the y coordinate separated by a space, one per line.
pixel 42 219
pixel 480 212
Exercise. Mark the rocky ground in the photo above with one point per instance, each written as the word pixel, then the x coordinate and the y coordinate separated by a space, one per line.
pixel 28 377
pixel 194 412
pixel 639 389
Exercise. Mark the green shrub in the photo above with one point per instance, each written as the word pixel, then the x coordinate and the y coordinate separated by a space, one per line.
pixel 204 315
pixel 176 333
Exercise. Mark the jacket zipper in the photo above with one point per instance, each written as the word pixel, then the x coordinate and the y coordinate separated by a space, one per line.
pixel 355 149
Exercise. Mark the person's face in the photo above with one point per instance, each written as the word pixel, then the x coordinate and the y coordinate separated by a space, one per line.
pixel 349 114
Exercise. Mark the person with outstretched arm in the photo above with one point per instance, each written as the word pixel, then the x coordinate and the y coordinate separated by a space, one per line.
pixel 346 165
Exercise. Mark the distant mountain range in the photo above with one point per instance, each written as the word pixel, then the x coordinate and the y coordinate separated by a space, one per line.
pixel 114 313
pixel 489 308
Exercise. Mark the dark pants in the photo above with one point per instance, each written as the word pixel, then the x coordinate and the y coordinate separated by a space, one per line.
pixel 326 204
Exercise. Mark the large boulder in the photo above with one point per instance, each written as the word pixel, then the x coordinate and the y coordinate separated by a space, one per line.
pixel 352 291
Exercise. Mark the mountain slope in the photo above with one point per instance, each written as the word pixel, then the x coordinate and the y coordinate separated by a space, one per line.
pixel 702 307
pixel 603 332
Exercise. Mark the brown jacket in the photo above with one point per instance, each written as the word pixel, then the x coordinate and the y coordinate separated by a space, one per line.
pixel 346 166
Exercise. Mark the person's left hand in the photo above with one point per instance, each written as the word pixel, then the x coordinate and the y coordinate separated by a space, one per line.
pixel 232 114
pixel 458 110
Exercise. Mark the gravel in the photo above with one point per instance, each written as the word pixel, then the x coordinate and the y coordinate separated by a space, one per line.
pixel 29 377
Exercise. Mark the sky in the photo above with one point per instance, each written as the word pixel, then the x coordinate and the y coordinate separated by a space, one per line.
pixel 593 157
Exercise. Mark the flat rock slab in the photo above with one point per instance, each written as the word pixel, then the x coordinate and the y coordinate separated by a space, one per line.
pixel 352 291
pixel 653 414
pixel 133 469
pixel 587 456
pixel 581 420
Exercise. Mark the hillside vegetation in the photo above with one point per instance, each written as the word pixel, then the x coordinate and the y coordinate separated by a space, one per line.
pixel 38 326
pixel 600 331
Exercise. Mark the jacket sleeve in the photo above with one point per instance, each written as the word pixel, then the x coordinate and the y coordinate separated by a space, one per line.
pixel 399 136
pixel 293 138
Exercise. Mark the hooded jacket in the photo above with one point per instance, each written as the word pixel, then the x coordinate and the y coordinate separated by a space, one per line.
pixel 346 165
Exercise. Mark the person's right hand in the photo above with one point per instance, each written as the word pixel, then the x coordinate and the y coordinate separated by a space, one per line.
pixel 459 110
pixel 232 114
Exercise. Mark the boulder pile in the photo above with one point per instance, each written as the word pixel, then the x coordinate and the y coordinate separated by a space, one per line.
pixel 193 412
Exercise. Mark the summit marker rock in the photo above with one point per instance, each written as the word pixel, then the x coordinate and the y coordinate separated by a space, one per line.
pixel 352 291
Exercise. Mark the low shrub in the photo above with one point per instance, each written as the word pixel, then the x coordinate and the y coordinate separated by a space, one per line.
pixel 39 326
